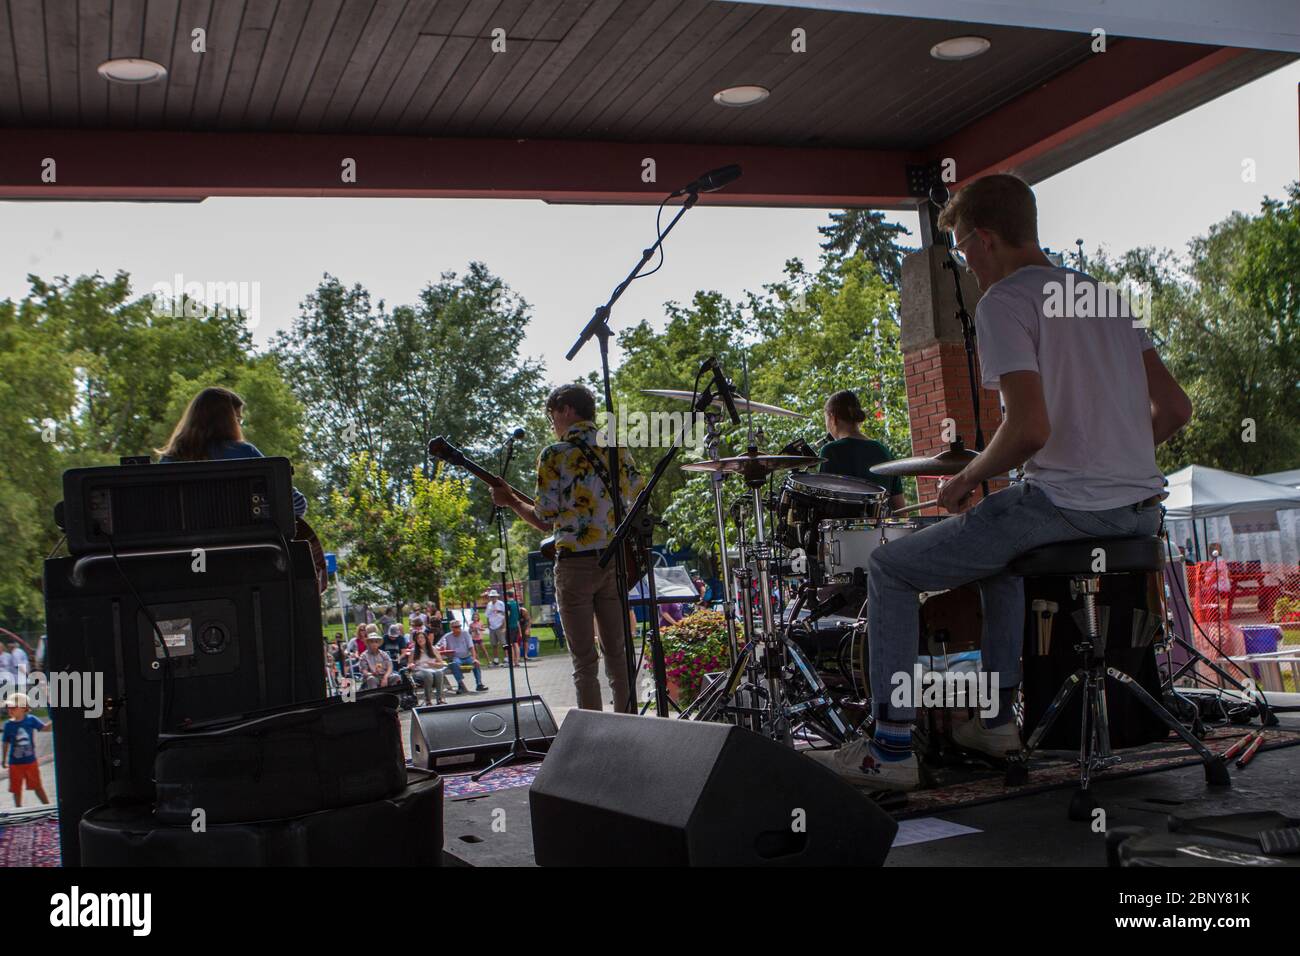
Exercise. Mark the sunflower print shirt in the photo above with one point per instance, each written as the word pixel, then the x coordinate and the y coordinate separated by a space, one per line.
pixel 572 498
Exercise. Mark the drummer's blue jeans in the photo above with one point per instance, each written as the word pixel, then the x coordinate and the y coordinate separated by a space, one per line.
pixel 973 547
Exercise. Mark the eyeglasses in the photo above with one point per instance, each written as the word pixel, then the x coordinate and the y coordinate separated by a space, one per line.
pixel 957 255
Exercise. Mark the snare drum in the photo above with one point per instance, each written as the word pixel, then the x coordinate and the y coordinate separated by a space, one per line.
pixel 808 500
pixel 846 546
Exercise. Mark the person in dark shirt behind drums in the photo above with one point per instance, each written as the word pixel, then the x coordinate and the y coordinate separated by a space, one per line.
pixel 852 453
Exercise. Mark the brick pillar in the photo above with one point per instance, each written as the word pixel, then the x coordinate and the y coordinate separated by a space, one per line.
pixel 934 361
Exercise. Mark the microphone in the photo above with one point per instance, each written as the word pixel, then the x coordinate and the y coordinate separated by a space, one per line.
pixel 723 388
pixel 711 181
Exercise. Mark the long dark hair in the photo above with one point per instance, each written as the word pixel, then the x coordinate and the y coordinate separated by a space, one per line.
pixel 845 406
pixel 417 651
pixel 212 416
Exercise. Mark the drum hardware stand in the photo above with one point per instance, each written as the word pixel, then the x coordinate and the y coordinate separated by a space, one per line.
pixel 1094 737
pixel 713 449
pixel 519 747
pixel 769 661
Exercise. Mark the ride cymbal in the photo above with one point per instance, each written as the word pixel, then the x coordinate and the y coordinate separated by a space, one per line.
pixel 751 467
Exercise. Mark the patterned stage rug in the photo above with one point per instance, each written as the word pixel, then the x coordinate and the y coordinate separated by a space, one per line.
pixel 973 782
pixel 461 787
pixel 34 843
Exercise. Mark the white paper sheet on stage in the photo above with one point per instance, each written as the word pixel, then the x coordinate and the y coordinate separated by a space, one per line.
pixel 927 829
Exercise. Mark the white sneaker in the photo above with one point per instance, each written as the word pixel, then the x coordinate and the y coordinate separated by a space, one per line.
pixel 856 764
pixel 992 741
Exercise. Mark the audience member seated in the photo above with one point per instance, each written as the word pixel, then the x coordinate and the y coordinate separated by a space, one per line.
pixel 376 666
pixel 459 647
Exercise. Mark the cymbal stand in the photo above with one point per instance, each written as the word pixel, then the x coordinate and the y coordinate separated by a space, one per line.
pixel 713 449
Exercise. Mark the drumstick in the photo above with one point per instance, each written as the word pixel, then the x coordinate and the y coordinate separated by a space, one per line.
pixel 916 507
pixel 1250 751
pixel 1236 747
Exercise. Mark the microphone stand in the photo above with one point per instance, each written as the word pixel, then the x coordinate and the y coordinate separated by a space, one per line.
pixel 598 326
pixel 641 521
pixel 968 339
pixel 519 747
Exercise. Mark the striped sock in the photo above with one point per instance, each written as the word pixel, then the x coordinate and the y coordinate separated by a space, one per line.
pixel 892 741
pixel 1006 705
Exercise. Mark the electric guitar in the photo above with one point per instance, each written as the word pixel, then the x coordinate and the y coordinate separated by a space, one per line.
pixel 444 450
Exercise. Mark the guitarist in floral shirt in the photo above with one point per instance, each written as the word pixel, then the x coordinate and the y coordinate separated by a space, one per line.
pixel 573 502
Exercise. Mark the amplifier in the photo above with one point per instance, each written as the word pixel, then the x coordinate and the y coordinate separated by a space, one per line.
pixel 242 635
pixel 199 503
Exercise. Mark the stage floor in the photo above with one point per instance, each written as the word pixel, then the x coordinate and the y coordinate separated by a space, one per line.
pixel 1021 831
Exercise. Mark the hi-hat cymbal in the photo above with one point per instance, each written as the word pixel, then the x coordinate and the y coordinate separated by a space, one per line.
pixel 942 465
pixel 753 467
pixel 742 404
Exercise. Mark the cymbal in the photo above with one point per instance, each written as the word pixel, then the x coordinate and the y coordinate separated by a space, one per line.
pixel 742 404
pixel 942 465
pixel 752 467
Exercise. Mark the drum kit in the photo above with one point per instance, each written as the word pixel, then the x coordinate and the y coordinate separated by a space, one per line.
pixel 802 554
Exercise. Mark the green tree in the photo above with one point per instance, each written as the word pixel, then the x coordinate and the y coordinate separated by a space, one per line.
pixel 1227 319
pixel 396 551
pixel 864 231
pixel 88 373
pixel 384 383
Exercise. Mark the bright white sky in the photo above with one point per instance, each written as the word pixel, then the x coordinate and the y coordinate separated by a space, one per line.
pixel 1160 189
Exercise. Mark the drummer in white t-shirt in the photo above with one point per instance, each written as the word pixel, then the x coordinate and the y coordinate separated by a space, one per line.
pixel 1086 401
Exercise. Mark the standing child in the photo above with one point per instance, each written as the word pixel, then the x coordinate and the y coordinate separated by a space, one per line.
pixel 476 634
pixel 19 753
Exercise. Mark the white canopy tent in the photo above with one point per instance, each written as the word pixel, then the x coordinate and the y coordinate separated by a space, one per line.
pixel 1289 478
pixel 1252 519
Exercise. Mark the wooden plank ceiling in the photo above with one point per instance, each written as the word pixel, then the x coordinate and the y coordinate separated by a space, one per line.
pixel 412 93
pixel 612 70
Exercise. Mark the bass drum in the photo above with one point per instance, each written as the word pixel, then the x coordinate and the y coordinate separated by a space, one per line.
pixel 951 622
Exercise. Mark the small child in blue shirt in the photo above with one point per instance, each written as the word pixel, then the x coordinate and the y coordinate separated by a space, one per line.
pixel 19 749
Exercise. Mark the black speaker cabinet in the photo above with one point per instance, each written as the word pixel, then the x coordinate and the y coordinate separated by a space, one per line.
pixel 401 830
pixel 242 631
pixel 466 734
pixel 621 790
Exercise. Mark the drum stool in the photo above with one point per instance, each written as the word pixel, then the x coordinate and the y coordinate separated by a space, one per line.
pixel 1079 561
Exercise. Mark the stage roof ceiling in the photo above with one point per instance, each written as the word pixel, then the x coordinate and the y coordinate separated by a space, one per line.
pixel 586 91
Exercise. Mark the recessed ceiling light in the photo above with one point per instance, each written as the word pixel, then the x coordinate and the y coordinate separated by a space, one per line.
pixel 741 95
pixel 132 71
pixel 959 48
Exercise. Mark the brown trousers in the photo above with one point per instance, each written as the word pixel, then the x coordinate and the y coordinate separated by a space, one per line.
pixel 588 600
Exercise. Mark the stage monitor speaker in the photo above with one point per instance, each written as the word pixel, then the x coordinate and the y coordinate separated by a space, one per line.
pixel 621 790
pixel 470 733
pixel 242 632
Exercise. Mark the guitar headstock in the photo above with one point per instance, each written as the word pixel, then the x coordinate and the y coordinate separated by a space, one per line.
pixel 441 448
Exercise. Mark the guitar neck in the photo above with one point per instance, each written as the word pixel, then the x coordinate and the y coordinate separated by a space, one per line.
pixel 482 474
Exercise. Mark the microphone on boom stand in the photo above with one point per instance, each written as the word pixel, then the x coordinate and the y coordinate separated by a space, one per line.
pixel 711 181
